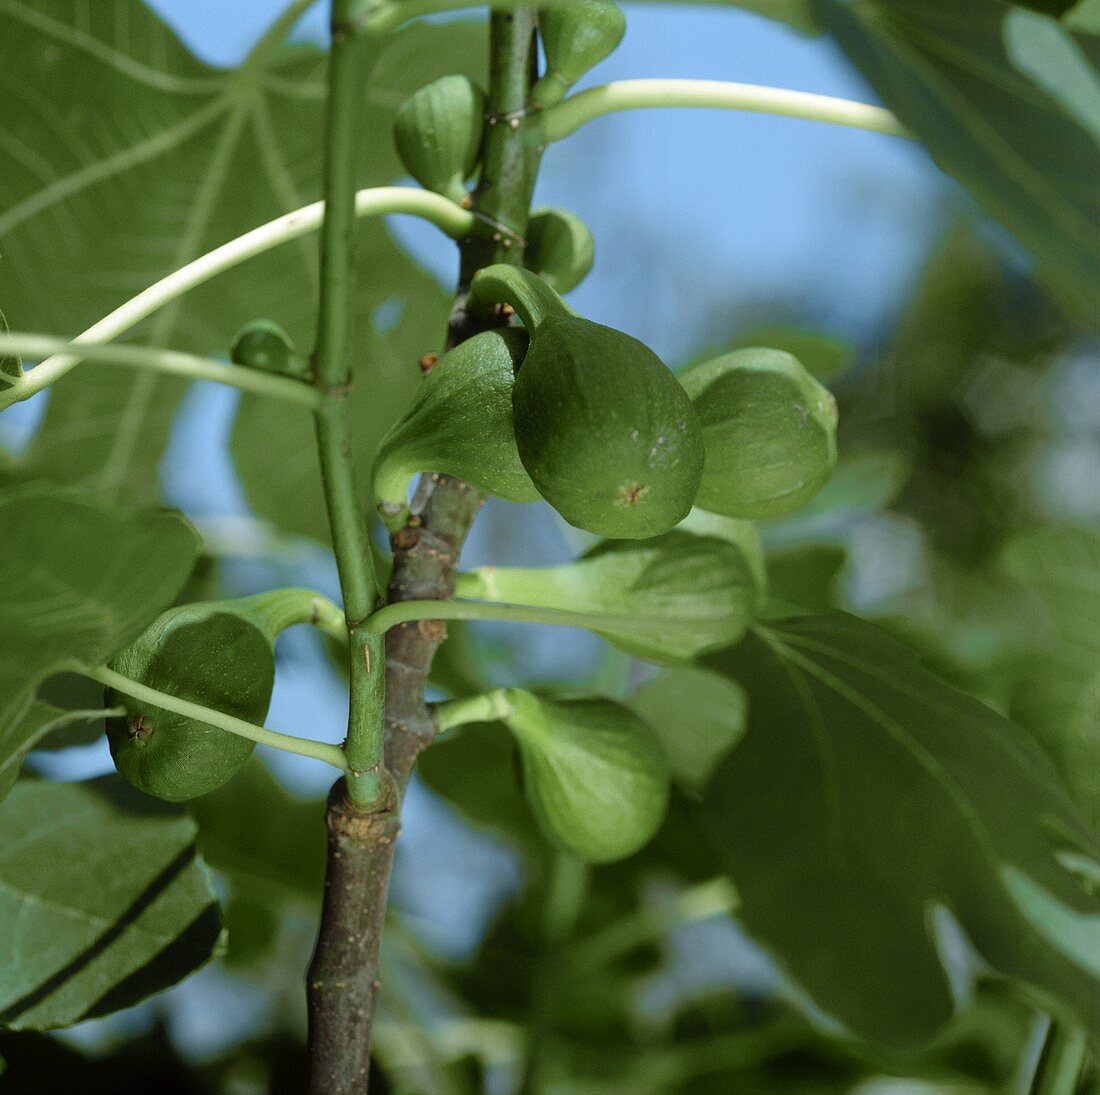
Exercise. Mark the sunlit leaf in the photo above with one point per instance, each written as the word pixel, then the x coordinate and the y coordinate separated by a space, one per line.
pixel 126 157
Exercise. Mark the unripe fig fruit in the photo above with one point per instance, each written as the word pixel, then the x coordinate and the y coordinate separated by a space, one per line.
pixel 668 599
pixel 575 38
pixel 769 429
pixel 200 653
pixel 438 133
pixel 604 429
pixel 461 425
pixel 263 344
pixel 560 248
pixel 594 773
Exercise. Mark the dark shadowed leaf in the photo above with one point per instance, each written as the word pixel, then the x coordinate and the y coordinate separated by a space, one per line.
pixel 43 726
pixel 476 769
pixel 104 902
pixel 263 837
pixel 1057 687
pixel 864 794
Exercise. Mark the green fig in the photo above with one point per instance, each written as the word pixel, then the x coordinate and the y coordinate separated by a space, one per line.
pixel 560 248
pixel 206 653
pixel 604 429
pixel 575 38
pixel 594 773
pixel 769 429
pixel 438 132
pixel 668 599
pixel 263 344
pixel 461 425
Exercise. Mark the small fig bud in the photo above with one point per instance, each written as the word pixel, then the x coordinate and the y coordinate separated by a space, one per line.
pixel 461 425
pixel 264 345
pixel 575 38
pixel 438 133
pixel 201 653
pixel 769 429
pixel 594 773
pixel 604 429
pixel 560 248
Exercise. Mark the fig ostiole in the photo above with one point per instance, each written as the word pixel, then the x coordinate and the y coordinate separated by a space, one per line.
pixel 769 429
pixel 438 132
pixel 604 429
pixel 263 344
pixel 560 248
pixel 460 425
pixel 668 599
pixel 575 38
pixel 594 773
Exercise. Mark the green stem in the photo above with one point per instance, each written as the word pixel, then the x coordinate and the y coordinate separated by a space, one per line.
pixel 350 539
pixel 286 388
pixel 567 117
pixel 276 610
pixel 378 201
pixel 304 747
pixel 1061 1061
pixel 532 299
pixel 488 707
pixel 403 612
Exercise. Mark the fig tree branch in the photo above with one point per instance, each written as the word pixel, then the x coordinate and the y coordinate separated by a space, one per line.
pixel 344 974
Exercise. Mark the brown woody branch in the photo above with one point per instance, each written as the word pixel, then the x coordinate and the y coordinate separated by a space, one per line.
pixel 343 976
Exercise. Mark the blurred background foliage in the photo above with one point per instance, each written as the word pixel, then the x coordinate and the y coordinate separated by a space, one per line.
pixel 963 517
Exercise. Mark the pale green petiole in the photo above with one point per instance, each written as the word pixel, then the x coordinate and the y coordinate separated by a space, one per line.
pixel 172 362
pixel 488 707
pixel 375 202
pixel 277 609
pixel 403 612
pixel 568 116
pixel 305 747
